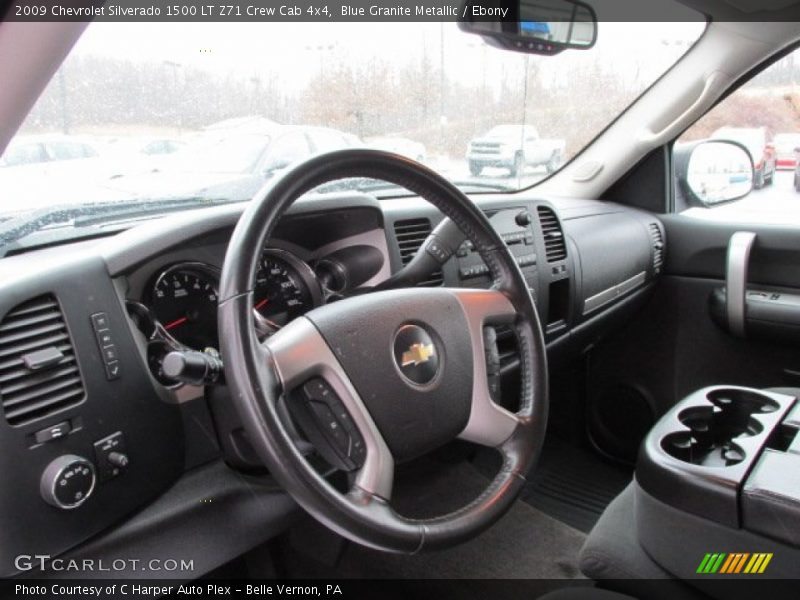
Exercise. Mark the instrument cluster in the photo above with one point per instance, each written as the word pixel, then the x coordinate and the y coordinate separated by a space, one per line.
pixel 179 309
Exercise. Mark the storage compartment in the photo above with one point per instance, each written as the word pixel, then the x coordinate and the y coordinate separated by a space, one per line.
pixel 699 454
pixel 558 306
pixel 609 270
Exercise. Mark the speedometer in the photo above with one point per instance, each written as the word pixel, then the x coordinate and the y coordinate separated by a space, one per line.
pixel 184 301
pixel 285 288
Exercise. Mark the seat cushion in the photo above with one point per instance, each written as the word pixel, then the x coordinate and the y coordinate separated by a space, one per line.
pixel 612 556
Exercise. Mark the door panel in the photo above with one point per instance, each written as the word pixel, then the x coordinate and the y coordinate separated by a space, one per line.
pixel 674 347
pixel 697 248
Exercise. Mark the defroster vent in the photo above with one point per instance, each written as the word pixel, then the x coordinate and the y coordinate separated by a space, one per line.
pixel 410 235
pixel 554 244
pixel 38 371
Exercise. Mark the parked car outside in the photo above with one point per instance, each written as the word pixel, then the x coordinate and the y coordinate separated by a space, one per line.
pixel 46 169
pixel 514 147
pixel 785 145
pixel 797 170
pixel 400 145
pixel 38 149
pixel 758 143
pixel 229 164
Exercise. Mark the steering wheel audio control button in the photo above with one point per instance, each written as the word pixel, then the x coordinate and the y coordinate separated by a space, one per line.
pixel 327 421
pixel 67 482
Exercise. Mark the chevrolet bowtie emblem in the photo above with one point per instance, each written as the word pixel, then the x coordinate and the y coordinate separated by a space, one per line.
pixel 417 354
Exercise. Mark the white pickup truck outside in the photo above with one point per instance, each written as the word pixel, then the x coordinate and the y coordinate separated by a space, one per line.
pixel 514 147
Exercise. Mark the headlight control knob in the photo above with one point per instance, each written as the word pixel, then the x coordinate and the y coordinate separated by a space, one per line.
pixel 68 481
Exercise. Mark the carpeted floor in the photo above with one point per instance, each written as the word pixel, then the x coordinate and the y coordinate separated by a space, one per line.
pixel 524 545
pixel 571 484
pixel 574 485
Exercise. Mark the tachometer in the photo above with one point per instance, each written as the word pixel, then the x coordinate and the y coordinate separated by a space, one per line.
pixel 285 288
pixel 184 301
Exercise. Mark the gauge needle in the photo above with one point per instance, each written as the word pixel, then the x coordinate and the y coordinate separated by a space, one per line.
pixel 262 303
pixel 175 323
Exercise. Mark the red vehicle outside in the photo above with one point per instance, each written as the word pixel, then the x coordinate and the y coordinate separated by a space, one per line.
pixel 785 145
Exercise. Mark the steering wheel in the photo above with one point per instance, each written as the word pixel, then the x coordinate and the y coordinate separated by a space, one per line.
pixel 404 368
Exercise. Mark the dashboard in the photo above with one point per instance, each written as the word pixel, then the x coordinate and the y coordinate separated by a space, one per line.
pixel 142 450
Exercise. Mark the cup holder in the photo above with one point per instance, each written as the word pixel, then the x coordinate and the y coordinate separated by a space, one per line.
pixel 713 427
pixel 742 402
pixel 714 424
pixel 684 446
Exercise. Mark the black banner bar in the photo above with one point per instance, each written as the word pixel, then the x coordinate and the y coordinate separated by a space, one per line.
pixel 332 11
pixel 732 588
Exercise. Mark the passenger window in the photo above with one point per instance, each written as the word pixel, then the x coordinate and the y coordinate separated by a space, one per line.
pixel 713 181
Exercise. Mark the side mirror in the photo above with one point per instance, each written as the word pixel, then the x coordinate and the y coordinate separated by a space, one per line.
pixel 532 26
pixel 711 172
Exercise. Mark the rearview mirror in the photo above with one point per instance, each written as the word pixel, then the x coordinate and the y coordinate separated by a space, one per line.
pixel 713 171
pixel 532 26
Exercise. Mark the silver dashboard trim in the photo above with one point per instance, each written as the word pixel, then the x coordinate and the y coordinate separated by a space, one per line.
pixel 489 424
pixel 609 294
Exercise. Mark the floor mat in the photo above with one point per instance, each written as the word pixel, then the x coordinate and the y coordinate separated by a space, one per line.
pixel 574 485
pixel 524 545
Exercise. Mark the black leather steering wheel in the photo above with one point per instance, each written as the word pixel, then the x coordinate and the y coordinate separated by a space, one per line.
pixel 407 364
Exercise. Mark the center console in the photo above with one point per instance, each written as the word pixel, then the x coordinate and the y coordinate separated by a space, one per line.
pixel 719 474
pixel 537 242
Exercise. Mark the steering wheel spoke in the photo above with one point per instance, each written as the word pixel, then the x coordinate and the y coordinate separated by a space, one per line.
pixel 489 423
pixel 299 354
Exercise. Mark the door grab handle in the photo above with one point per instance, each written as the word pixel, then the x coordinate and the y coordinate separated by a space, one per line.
pixel 739 247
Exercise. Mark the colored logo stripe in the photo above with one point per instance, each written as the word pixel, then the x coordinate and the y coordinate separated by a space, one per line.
pixel 711 563
pixel 735 562
pixel 758 563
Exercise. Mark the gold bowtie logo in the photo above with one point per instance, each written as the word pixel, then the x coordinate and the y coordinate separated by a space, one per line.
pixel 417 354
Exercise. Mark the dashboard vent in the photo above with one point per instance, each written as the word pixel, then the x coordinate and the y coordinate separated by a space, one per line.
pixel 554 245
pixel 38 370
pixel 658 246
pixel 410 234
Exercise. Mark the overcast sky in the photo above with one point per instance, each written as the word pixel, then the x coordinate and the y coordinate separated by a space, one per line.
pixel 293 52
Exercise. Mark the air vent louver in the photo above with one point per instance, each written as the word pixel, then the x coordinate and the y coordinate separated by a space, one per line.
pixel 410 235
pixel 658 246
pixel 554 244
pixel 27 394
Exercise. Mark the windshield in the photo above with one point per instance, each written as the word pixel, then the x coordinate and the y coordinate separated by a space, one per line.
pixel 213 110
pixel 234 155
pixel 509 131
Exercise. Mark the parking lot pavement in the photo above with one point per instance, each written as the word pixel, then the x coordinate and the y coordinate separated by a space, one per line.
pixel 781 189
